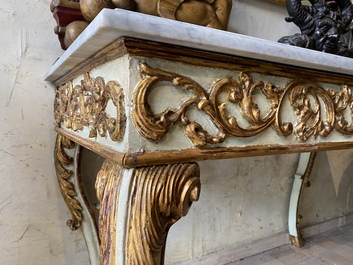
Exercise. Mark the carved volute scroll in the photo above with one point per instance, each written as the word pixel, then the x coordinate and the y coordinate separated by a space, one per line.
pixel 160 196
pixel 62 161
pixel 85 105
pixel 318 110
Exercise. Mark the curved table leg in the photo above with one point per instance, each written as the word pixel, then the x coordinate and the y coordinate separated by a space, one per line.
pixel 137 208
pixel 301 178
pixel 67 165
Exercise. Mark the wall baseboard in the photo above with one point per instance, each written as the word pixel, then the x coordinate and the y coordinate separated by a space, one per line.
pixel 258 246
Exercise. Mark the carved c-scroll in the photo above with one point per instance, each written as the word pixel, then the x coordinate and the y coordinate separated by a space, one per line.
pixel 62 161
pixel 305 99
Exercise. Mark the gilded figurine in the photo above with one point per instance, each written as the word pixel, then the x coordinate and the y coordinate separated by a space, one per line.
pixel 322 25
pixel 209 13
pixel 73 16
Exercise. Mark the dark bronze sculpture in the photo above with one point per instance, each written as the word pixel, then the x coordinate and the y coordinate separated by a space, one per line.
pixel 322 25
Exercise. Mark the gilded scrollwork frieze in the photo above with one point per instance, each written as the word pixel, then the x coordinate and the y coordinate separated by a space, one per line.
pixel 317 111
pixel 85 105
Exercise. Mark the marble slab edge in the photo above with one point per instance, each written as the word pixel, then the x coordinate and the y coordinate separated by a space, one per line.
pixel 111 24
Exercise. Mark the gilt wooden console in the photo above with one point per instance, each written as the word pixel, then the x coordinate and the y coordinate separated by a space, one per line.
pixel 154 96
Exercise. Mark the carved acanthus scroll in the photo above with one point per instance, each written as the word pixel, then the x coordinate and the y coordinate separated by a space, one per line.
pixel 62 162
pixel 85 106
pixel 161 196
pixel 318 111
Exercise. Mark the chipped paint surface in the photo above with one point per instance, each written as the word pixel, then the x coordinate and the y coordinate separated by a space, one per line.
pixel 241 200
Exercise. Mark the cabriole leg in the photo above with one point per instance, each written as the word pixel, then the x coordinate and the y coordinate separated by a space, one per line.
pixel 301 178
pixel 67 165
pixel 137 208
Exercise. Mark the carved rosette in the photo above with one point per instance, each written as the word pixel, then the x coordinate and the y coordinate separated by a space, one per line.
pixel 62 162
pixel 318 111
pixel 85 105
pixel 161 195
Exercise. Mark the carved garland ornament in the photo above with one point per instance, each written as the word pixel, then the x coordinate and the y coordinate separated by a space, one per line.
pixel 85 106
pixel 62 161
pixel 318 111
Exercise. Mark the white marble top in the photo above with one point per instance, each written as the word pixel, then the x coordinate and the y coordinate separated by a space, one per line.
pixel 110 25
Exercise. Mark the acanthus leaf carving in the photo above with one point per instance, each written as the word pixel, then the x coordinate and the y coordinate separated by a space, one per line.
pixel 158 197
pixel 161 196
pixel 343 101
pixel 155 126
pixel 62 162
pixel 318 111
pixel 307 100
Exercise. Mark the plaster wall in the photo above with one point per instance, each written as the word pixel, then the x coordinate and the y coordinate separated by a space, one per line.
pixel 242 200
pixel 32 212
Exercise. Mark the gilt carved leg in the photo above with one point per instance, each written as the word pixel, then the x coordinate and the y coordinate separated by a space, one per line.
pixel 301 178
pixel 67 157
pixel 138 206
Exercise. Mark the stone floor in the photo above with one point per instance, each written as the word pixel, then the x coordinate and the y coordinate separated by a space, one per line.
pixel 333 247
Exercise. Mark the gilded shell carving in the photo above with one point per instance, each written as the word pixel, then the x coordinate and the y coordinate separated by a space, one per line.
pixel 318 111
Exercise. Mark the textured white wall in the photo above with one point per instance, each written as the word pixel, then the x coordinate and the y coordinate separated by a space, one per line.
pixel 241 199
pixel 32 212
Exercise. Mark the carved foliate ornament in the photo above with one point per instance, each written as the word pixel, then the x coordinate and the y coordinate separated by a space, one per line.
pixel 85 105
pixel 318 110
pixel 159 196
pixel 67 188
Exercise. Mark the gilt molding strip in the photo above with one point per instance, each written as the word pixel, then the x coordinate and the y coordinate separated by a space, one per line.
pixel 318 111
pixel 85 105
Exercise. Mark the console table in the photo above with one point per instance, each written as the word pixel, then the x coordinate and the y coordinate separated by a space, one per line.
pixel 154 96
